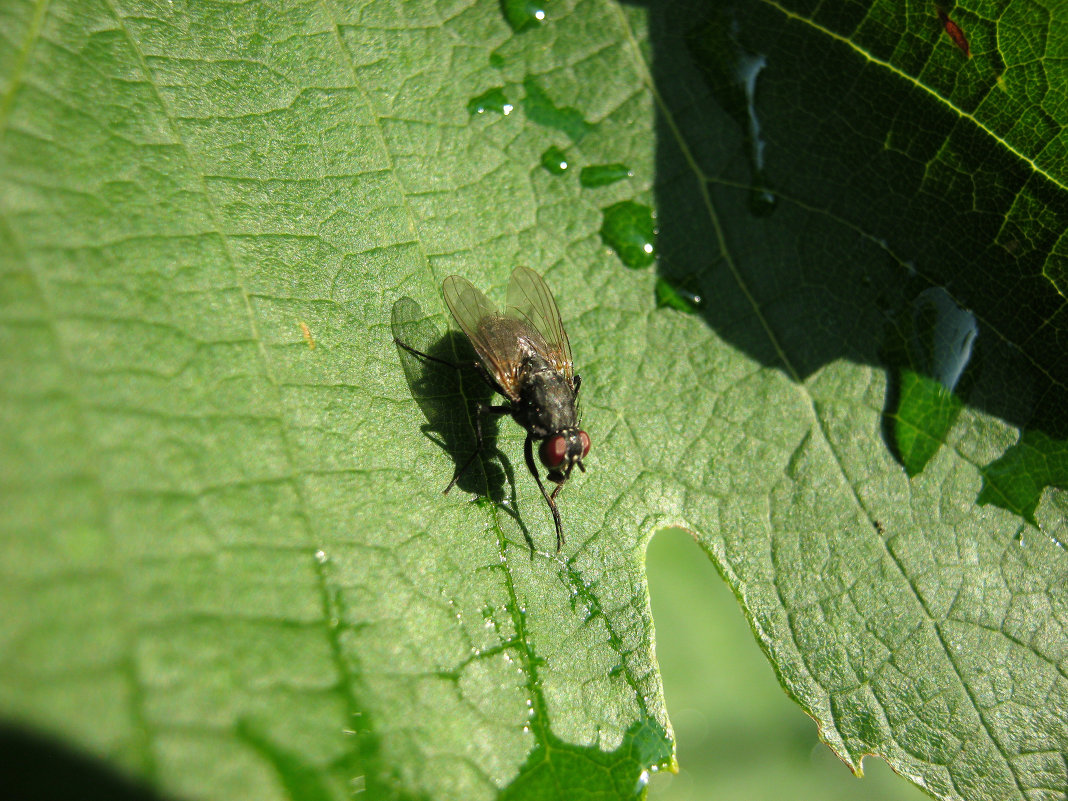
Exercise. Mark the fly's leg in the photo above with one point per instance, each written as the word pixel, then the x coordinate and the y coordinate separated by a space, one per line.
pixel 426 356
pixel 578 384
pixel 482 371
pixel 528 452
pixel 483 409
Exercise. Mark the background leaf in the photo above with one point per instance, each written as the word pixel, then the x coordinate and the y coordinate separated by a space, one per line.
pixel 233 570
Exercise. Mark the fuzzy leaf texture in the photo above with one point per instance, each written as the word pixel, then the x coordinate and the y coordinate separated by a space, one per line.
pixel 228 568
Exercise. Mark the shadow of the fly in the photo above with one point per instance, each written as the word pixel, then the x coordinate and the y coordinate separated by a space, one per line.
pixel 449 398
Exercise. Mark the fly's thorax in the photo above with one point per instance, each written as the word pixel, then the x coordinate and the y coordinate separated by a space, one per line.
pixel 546 400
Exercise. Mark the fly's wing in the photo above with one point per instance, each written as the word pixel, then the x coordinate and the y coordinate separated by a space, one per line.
pixel 530 301
pixel 476 317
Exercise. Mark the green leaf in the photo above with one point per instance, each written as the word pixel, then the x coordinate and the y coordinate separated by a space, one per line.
pixel 228 566
pixel 925 415
pixel 1016 480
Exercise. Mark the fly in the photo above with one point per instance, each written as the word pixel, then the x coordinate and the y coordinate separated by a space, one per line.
pixel 525 356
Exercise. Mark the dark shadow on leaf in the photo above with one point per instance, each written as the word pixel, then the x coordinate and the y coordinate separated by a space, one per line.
pixel 37 768
pixel 449 399
pixel 815 195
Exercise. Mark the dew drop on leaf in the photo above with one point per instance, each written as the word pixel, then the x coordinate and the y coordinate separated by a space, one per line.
pixel 490 100
pixel 678 297
pixel 942 335
pixel 522 15
pixel 937 339
pixel 554 160
pixel 603 174
pixel 628 229
pixel 762 201
pixel 731 70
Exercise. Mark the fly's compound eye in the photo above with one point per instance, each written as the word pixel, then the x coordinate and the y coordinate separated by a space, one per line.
pixel 584 438
pixel 552 451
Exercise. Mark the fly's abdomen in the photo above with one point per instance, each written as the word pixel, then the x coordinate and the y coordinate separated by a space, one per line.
pixel 547 402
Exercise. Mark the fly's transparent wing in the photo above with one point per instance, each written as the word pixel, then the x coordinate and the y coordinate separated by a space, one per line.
pixel 530 300
pixel 468 305
pixel 482 325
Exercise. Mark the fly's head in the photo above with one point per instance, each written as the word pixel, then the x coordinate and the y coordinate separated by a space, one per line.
pixel 562 451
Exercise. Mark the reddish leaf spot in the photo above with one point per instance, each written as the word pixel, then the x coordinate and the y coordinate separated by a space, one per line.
pixel 955 33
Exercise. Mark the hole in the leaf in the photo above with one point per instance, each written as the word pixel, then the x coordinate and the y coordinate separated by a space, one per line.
pixel 737 733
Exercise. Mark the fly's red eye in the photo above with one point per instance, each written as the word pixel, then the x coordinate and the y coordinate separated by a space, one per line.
pixel 552 452
pixel 584 438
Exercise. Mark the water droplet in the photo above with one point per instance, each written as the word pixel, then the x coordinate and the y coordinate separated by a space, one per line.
pixel 629 230
pixel 321 557
pixel 731 71
pixel 522 15
pixel 942 336
pixel 643 780
pixel 554 160
pixel 490 100
pixel 603 174
pixel 539 108
pixel 762 201
pixel 930 347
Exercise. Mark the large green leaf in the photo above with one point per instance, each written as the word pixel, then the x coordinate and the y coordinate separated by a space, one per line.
pixel 228 565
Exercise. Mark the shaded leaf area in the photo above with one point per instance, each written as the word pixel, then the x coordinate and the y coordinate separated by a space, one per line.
pixel 42 769
pixel 1016 480
pixel 888 165
pixel 821 171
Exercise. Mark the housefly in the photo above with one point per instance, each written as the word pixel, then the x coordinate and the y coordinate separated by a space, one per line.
pixel 524 355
